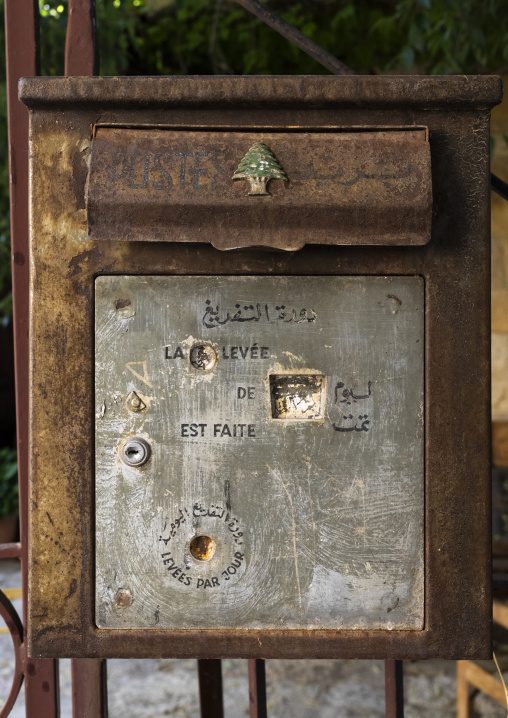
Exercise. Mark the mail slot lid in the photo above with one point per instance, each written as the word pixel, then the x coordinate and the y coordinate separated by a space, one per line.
pixel 340 188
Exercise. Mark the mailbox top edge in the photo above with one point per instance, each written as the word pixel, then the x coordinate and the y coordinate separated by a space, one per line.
pixel 363 91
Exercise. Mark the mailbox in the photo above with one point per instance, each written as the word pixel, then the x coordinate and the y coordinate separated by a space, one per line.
pixel 260 367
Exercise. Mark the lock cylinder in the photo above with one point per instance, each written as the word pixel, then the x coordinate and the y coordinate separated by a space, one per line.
pixel 135 451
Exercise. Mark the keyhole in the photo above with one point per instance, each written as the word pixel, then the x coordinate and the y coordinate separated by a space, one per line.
pixel 135 451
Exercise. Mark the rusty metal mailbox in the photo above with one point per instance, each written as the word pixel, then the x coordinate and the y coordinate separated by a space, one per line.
pixel 260 367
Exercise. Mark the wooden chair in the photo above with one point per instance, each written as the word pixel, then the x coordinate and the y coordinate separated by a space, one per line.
pixel 476 676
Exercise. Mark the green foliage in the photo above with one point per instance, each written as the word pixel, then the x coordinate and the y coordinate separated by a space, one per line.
pixel 449 36
pixel 53 24
pixel 8 482
pixel 173 37
pixel 204 37
pixel 154 37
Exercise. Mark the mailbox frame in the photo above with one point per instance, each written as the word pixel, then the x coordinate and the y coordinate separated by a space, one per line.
pixel 455 265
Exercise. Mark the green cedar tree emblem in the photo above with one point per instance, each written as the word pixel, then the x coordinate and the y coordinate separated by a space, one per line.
pixel 259 166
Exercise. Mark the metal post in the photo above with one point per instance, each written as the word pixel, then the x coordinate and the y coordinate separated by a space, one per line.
pixel 89 688
pixel 22 56
pixel 210 688
pixel 394 689
pixel 80 42
pixel 89 681
pixel 257 688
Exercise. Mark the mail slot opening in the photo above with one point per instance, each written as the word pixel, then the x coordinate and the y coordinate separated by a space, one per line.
pixel 297 396
pixel 202 548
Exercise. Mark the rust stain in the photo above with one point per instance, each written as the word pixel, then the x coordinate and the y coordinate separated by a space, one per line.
pixel 123 598
pixel 72 588
pixel 76 262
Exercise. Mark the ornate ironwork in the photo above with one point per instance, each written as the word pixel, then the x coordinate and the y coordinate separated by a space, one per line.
pixel 15 627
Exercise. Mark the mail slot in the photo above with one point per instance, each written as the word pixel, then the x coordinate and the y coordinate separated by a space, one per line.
pixel 350 187
pixel 260 367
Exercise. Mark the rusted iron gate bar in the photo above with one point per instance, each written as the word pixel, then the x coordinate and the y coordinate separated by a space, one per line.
pixel 22 55
pixel 89 678
pixel 499 187
pixel 394 688
pixel 21 34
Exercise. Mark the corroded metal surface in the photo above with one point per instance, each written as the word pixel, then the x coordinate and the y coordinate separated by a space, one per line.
pixel 299 396
pixel 366 92
pixel 454 264
pixel 81 55
pixel 22 58
pixel 313 519
pixel 342 188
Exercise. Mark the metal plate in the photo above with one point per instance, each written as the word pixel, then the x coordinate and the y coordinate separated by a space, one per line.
pixel 284 420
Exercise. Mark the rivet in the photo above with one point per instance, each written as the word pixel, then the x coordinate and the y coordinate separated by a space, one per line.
pixel 134 402
pixel 123 598
pixel 202 548
pixel 203 357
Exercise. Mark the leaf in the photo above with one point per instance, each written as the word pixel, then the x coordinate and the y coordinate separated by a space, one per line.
pixel 8 481
pixel 416 38
pixel 408 56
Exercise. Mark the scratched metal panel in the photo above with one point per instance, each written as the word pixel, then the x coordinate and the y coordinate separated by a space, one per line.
pixel 284 421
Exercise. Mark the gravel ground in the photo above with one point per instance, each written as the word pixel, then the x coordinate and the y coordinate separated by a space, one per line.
pixel 296 689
